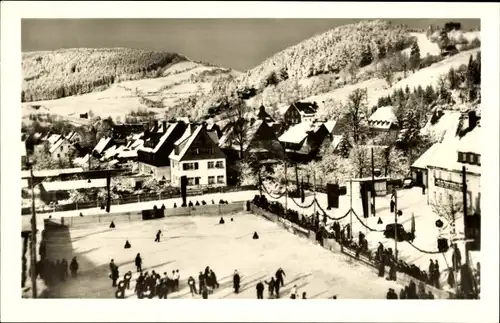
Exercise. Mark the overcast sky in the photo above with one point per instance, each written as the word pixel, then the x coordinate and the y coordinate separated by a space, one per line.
pixel 237 43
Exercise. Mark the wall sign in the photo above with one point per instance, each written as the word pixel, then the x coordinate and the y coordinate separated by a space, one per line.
pixel 448 184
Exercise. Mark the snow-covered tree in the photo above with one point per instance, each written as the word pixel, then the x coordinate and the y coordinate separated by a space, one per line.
pixel 415 57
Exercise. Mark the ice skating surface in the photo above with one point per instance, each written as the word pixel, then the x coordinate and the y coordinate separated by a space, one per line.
pixel 192 243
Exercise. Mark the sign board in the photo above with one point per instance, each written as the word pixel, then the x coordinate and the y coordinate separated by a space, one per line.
pixel 448 184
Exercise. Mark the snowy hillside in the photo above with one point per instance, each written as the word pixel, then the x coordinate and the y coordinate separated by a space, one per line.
pixel 119 99
pixel 377 88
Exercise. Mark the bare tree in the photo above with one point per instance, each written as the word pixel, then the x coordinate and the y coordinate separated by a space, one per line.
pixel 449 209
pixel 237 118
pixel 359 158
pixel 356 114
pixel 386 72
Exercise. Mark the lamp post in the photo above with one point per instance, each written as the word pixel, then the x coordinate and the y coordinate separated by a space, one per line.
pixel 33 237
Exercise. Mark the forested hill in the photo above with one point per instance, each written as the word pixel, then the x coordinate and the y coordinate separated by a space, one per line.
pixel 55 74
pixel 331 52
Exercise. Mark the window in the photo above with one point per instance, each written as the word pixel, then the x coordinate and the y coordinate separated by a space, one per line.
pixel 197 151
pixel 478 159
pixel 58 155
pixel 449 176
pixel 211 165
pixel 197 180
pixel 460 157
pixel 189 166
pixel 190 181
pixel 211 180
pixel 440 197
pixel 220 179
pixel 62 148
pixel 470 158
pixel 219 164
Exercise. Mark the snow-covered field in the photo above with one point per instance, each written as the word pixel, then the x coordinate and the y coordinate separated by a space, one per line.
pixel 192 243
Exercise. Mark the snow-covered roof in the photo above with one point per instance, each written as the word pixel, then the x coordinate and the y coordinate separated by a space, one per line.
pixel 127 153
pixel 53 138
pixel 383 117
pixel 423 161
pixel 445 128
pixel 168 132
pixel 297 133
pixel 188 138
pixel 330 125
pixel 213 135
pixel 102 144
pixel 446 157
pixel 74 185
pixel 470 142
pixel 82 160
pixel 57 144
pixel 51 172
pixel 336 140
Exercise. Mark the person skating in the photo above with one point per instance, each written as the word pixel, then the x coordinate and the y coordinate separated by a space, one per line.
pixel 74 267
pixel 158 234
pixel 260 290
pixel 115 274
pixel 192 286
pixel 138 263
pixel 236 282
pixel 304 295
pixel 271 284
pixel 279 276
pixel 213 278
pixel 431 272
pixel 277 289
pixel 204 293
pixel 437 274
pixel 176 279
pixel 64 268
pixel 201 281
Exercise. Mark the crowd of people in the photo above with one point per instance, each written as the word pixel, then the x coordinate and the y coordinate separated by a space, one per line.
pixel 191 204
pixel 53 272
pixel 410 292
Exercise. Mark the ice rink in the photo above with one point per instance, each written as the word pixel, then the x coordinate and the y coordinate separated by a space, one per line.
pixel 192 243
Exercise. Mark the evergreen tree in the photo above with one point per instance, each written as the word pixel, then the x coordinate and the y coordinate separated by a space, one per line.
pixel 415 57
pixel 453 79
pixel 366 57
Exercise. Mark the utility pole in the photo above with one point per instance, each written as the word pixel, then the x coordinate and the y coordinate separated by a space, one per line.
pixel 350 206
pixel 33 238
pixel 314 193
pixel 373 185
pixel 464 192
pixel 286 191
pixel 260 183
pixel 395 193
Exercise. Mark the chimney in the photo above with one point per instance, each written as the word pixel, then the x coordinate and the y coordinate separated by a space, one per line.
pixel 164 126
pixel 472 119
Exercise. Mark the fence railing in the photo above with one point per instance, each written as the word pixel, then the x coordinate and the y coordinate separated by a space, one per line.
pixel 137 198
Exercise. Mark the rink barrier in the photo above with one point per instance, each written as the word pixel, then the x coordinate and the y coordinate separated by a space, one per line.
pixel 122 217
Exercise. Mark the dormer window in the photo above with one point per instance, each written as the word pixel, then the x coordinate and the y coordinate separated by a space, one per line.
pixel 461 158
